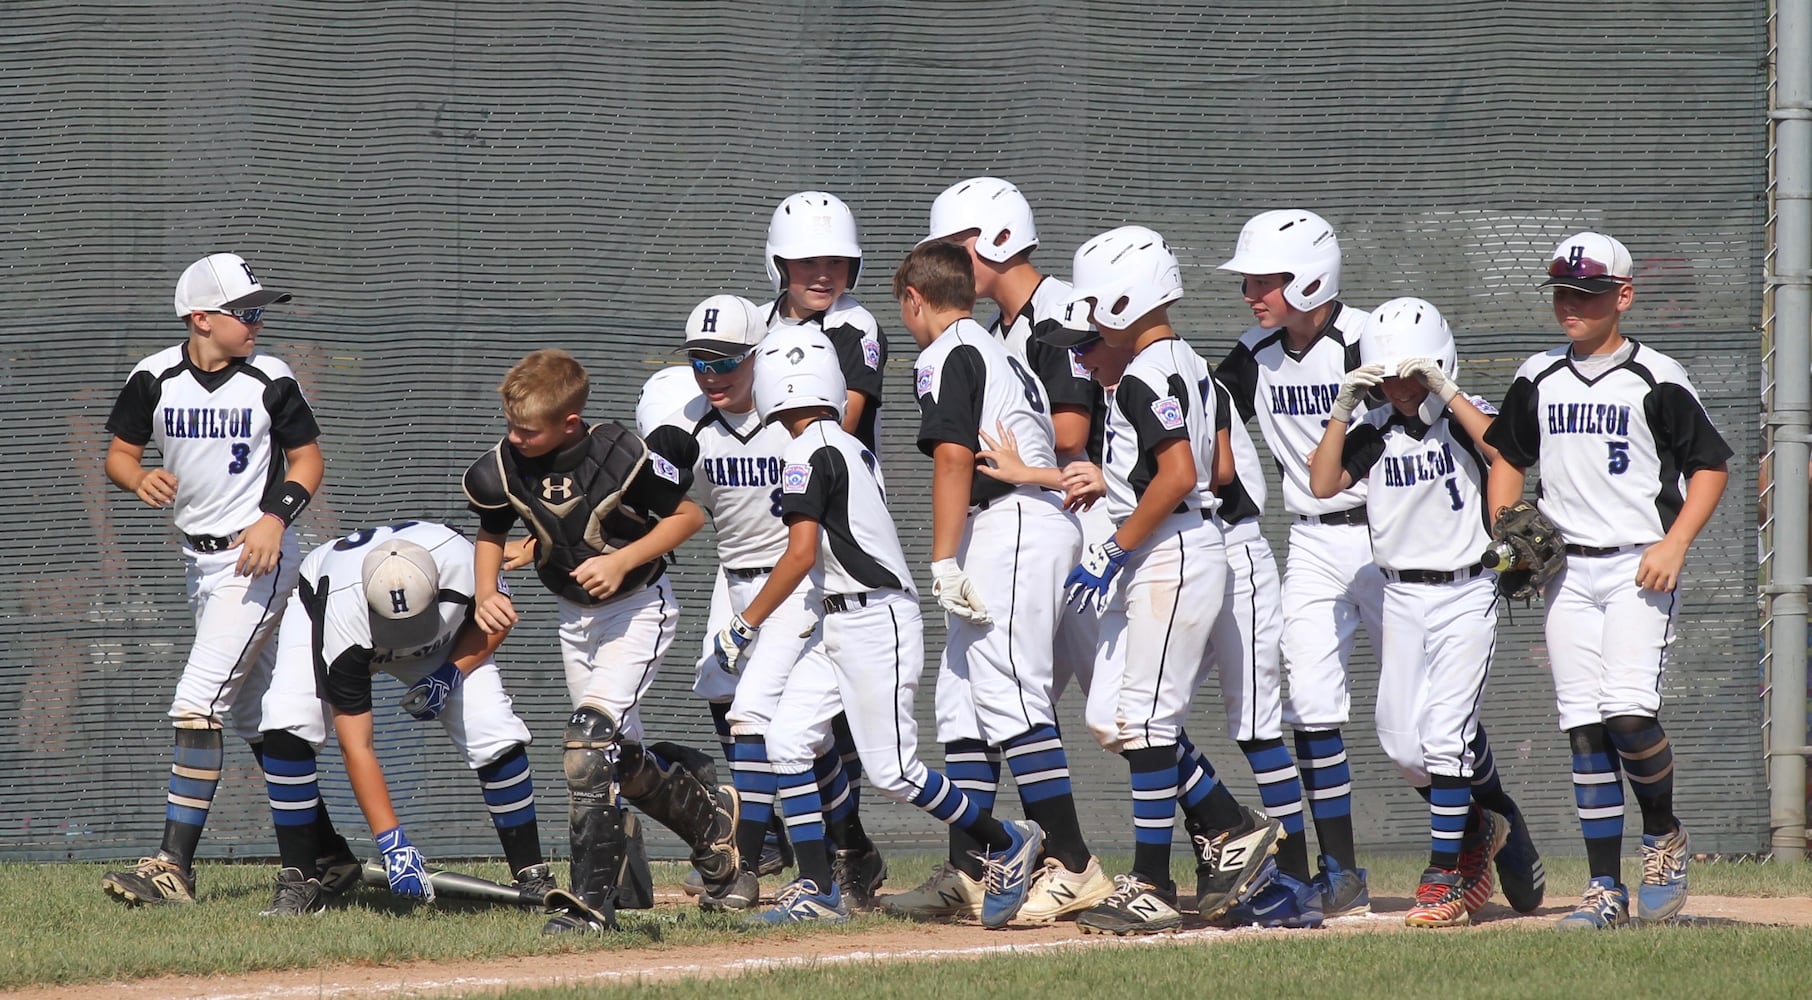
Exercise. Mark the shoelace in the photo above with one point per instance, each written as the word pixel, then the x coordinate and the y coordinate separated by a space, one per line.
pixel 1125 888
pixel 1594 899
pixel 791 893
pixel 1658 864
pixel 996 871
pixel 1432 893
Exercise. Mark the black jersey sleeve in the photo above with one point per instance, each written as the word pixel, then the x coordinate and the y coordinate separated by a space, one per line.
pixel 658 486
pixel 1686 431
pixel 130 420
pixel 486 494
pixel 1064 383
pixel 1223 406
pixel 811 492
pixel 292 420
pixel 1516 433
pixel 675 444
pixel 1239 373
pixel 1364 446
pixel 347 680
pixel 1154 418
pixel 853 358
pixel 954 415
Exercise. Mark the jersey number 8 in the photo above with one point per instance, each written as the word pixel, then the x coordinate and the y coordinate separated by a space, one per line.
pixel 1025 377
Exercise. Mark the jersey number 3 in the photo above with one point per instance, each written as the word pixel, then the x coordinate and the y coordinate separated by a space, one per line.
pixel 242 457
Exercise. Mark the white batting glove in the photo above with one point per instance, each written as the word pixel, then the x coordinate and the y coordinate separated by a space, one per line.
pixel 1428 372
pixel 1353 389
pixel 956 593
pixel 731 640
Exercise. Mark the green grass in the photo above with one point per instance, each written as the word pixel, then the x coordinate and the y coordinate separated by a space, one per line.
pixel 56 926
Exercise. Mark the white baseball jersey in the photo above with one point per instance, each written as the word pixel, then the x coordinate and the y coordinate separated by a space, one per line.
pixel 1425 484
pixel 1291 395
pixel 1164 394
pixel 831 478
pixel 222 434
pixel 735 462
pixel 967 381
pixel 1065 381
pixel 1615 450
pixel 861 353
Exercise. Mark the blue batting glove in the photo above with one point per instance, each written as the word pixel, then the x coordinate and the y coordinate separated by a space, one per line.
pixel 731 641
pixel 1089 582
pixel 428 697
pixel 405 866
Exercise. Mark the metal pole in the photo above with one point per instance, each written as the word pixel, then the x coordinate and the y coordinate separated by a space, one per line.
pixel 1790 277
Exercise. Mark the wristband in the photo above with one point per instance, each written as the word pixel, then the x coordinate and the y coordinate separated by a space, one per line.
pixel 287 505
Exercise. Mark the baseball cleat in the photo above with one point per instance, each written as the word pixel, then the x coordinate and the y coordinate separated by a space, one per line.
pixel 1478 849
pixel 1604 905
pixel 1519 869
pixel 859 875
pixel 339 871
pixel 1234 864
pixel 1286 902
pixel 1663 889
pixel 1057 892
pixel 1440 900
pixel 776 857
pixel 801 902
pixel 1134 907
pixel 572 915
pixel 297 895
pixel 157 879
pixel 536 881
pixel 1344 892
pixel 949 894
pixel 743 892
pixel 1008 873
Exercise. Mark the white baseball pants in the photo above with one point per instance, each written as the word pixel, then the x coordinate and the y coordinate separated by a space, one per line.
pixel 1438 641
pixel 1607 639
pixel 229 667
pixel 1330 585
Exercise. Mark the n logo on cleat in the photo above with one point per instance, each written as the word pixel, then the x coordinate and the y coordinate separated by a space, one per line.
pixel 1234 856
pixel 951 899
pixel 1146 907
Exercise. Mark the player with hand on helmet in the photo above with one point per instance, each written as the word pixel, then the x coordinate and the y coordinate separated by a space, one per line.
pixel 1425 461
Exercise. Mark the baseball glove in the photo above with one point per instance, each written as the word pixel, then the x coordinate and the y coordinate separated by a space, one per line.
pixel 1526 551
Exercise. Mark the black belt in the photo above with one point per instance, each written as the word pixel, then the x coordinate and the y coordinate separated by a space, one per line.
pixel 1352 515
pixel 748 574
pixel 981 505
pixel 1431 575
pixel 208 543
pixel 1594 552
pixel 837 603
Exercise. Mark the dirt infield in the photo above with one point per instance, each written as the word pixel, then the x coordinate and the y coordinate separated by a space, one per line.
pixel 894 943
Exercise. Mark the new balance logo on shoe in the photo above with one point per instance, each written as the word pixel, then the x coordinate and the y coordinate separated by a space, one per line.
pixel 1062 894
pixel 1234 856
pixel 951 899
pixel 1146 907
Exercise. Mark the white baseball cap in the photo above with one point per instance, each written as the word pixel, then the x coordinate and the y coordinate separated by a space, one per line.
pixel 724 325
pixel 222 281
pixel 402 586
pixel 1590 262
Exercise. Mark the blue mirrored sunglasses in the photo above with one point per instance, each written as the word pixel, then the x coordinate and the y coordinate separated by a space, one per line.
pixel 1082 349
pixel 246 316
pixel 719 366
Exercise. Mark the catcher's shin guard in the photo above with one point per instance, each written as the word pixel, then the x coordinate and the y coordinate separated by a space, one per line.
pixel 635 882
pixel 674 797
pixel 599 842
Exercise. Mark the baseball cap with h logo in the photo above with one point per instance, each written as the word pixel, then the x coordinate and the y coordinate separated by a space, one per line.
pixel 1591 263
pixel 221 282
pixel 724 326
pixel 402 586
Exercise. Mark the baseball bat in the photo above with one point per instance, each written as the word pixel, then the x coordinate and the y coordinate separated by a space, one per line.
pixel 457 885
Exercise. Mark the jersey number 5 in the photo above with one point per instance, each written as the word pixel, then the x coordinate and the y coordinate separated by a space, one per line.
pixel 1025 377
pixel 1619 462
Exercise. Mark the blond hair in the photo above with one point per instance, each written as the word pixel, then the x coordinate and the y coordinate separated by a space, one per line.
pixel 547 385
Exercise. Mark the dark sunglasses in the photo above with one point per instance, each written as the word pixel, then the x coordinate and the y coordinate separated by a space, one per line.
pixel 719 366
pixel 246 316
pixel 1082 350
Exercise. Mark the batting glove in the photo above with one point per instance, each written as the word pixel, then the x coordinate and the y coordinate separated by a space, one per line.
pixel 956 593
pixel 428 697
pixel 405 866
pixel 1428 372
pixel 731 641
pixel 1353 389
pixel 1089 582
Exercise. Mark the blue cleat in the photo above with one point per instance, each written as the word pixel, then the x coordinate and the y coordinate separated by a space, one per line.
pixel 1663 889
pixel 1009 873
pixel 1604 905
pixel 1519 869
pixel 1286 901
pixel 1344 892
pixel 800 902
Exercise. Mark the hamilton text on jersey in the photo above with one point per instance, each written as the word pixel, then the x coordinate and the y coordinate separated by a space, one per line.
pixel 207 422
pixel 1296 400
pixel 743 470
pixel 1588 418
pixel 1408 470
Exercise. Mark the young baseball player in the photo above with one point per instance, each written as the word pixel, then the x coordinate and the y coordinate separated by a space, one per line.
pixel 840 535
pixel 998 558
pixel 1631 470
pixel 813 258
pixel 735 461
pixel 605 512
pixel 396 598
pixel 1424 462
pixel 240 462
pixel 1160 579
pixel 1286 371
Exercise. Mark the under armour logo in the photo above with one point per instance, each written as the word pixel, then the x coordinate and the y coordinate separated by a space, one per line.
pixel 795 355
pixel 399 602
pixel 557 490
pixel 249 276
pixel 710 323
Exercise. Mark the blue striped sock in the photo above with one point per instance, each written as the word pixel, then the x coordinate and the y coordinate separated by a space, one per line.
pixel 756 785
pixel 947 802
pixel 1196 779
pixel 1325 774
pixel 1449 800
pixel 1279 785
pixel 1598 798
pixel 295 791
pixel 833 786
pixel 194 776
pixel 1040 767
pixel 509 789
pixel 804 811
pixel 974 767
pixel 1154 802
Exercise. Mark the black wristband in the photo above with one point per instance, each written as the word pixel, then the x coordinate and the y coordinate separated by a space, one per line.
pixel 288 502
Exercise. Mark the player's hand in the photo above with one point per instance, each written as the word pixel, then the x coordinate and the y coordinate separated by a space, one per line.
pixel 1353 389
pixel 495 613
pixel 1659 569
pixel 731 640
pixel 956 593
pixel 1428 372
pixel 260 546
pixel 1082 485
pixel 519 554
pixel 405 866
pixel 601 575
pixel 428 697
pixel 1089 582
pixel 157 488
pixel 1003 451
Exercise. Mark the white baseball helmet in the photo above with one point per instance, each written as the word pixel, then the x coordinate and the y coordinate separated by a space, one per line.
pixel 1128 272
pixel 1296 242
pixel 1407 328
pixel 797 367
pixel 664 394
pixel 991 205
pixel 812 224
